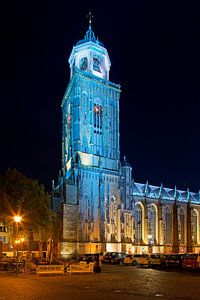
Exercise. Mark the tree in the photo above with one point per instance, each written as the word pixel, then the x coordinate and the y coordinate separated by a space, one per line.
pixel 25 196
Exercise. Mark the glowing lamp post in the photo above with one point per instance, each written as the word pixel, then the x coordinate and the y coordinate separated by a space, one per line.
pixel 17 220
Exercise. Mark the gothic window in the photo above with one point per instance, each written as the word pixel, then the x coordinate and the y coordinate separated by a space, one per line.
pixel 97 118
pixel 84 64
pixel 138 225
pixel 96 64
pixel 194 221
pixel 168 225
pixel 181 226
pixel 112 211
pixel 152 216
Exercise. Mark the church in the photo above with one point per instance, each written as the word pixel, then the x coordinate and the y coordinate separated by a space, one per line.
pixel 103 208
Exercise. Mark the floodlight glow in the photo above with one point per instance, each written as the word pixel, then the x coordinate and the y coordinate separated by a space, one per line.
pixel 17 219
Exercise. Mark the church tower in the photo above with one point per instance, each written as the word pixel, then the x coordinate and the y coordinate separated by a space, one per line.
pixel 90 151
pixel 103 208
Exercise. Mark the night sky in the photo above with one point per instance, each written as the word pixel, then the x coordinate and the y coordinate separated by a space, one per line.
pixel 154 47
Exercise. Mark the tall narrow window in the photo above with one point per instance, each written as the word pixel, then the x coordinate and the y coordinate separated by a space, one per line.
pixel 181 226
pixel 152 216
pixel 194 218
pixel 98 118
pixel 168 225
pixel 96 64
pixel 138 225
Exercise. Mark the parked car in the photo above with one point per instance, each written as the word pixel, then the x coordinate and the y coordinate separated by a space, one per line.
pixel 158 260
pixel 107 257
pixel 128 259
pixel 175 261
pixel 117 258
pixel 155 260
pixel 144 260
pixel 192 261
pixel 132 259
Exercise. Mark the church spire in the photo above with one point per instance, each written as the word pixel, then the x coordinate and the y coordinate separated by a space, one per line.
pixel 90 34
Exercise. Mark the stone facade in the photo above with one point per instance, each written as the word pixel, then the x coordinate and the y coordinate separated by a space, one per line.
pixel 103 208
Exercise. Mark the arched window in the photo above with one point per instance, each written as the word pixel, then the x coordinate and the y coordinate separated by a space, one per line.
pixel 168 225
pixel 98 118
pixel 152 217
pixel 181 226
pixel 84 64
pixel 96 64
pixel 194 223
pixel 138 223
pixel 112 210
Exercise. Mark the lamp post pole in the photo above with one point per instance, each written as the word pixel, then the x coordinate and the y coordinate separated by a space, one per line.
pixel 17 224
pixel 17 220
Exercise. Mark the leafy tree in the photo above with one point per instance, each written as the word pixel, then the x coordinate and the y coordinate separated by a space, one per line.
pixel 25 196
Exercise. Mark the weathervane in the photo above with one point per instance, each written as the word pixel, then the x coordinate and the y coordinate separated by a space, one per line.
pixel 90 17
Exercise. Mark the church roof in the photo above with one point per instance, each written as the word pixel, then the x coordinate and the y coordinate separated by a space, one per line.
pixel 155 192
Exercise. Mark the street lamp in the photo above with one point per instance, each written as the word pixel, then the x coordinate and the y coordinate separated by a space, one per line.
pixel 17 220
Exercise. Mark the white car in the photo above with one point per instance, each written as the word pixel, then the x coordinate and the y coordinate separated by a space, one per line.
pixel 132 259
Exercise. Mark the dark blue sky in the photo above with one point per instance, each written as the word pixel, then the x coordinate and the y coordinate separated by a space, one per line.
pixel 154 47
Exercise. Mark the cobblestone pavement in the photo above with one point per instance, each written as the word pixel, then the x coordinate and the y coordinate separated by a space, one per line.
pixel 115 282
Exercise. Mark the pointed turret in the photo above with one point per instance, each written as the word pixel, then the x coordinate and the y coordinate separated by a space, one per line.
pixel 188 194
pixel 125 163
pixel 175 192
pixel 146 188
pixel 160 191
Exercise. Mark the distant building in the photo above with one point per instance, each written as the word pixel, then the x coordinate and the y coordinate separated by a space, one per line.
pixel 103 208
pixel 5 237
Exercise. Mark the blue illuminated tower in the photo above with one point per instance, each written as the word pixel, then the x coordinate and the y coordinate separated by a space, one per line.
pixel 90 150
pixel 103 208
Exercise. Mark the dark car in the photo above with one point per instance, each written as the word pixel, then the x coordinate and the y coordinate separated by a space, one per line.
pixel 175 261
pixel 192 261
pixel 117 258
pixel 163 261
pixel 107 257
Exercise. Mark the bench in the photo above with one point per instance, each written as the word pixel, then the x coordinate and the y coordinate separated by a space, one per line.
pixel 50 269
pixel 81 267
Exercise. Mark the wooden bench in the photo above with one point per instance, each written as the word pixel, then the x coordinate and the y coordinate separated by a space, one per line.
pixel 50 269
pixel 81 267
